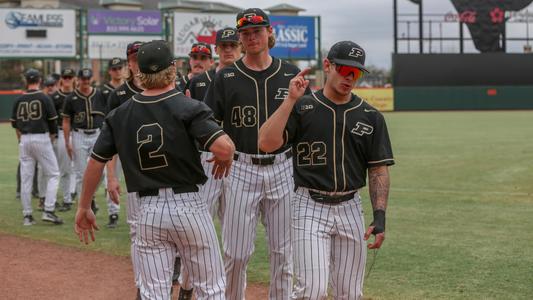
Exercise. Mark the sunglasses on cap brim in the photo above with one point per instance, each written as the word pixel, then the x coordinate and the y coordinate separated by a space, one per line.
pixel 200 50
pixel 347 70
pixel 250 20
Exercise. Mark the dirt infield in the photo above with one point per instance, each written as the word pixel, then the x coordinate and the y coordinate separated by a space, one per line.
pixel 41 270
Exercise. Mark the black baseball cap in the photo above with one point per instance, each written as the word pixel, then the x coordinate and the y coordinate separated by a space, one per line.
pixel 32 74
pixel 85 73
pixel 228 34
pixel 68 72
pixel 252 17
pixel 133 48
pixel 154 56
pixel 55 76
pixel 348 53
pixel 115 62
pixel 201 49
pixel 49 81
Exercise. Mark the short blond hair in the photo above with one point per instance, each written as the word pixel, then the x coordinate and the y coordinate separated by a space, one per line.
pixel 272 40
pixel 158 80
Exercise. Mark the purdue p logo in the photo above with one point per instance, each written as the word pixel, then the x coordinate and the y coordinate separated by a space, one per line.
pixel 227 33
pixel 249 15
pixel 282 94
pixel 361 129
pixel 356 52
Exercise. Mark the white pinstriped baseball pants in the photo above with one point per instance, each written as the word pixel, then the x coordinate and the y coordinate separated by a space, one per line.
pixel 83 146
pixel 213 193
pixel 37 148
pixel 172 223
pixel 65 167
pixel 328 248
pixel 255 191
pixel 132 210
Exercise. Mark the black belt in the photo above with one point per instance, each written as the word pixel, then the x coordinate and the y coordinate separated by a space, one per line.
pixel 330 199
pixel 86 131
pixel 264 161
pixel 28 132
pixel 176 190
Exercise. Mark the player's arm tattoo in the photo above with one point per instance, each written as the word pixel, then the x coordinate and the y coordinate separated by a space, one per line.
pixel 378 186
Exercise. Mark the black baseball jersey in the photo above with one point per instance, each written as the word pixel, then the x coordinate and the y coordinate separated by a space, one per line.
pixel 199 84
pixel 243 99
pixel 107 89
pixel 155 138
pixel 59 101
pixel 34 112
pixel 334 145
pixel 183 83
pixel 122 94
pixel 85 112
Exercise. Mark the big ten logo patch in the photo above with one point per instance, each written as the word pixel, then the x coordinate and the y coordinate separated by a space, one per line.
pixel 200 84
pixel 281 94
pixel 228 75
pixel 361 129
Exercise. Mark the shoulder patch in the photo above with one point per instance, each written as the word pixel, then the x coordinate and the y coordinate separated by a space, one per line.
pixel 56 97
pixel 305 107
pixel 74 98
pixel 120 93
pixel 200 84
pixel 228 75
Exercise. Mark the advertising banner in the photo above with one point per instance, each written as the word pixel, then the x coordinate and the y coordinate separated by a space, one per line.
pixel 295 35
pixel 115 21
pixel 37 33
pixel 109 46
pixel 380 98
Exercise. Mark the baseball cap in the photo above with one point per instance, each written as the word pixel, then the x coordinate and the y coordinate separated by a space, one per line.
pixel 133 48
pixel 55 76
pixel 348 53
pixel 115 62
pixel 32 74
pixel 227 34
pixel 154 56
pixel 85 73
pixel 201 49
pixel 49 81
pixel 68 72
pixel 252 17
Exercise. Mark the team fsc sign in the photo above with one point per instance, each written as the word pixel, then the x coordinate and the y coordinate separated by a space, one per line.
pixel 37 33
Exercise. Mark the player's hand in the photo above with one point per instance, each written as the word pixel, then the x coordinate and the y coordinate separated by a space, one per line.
pixel 378 240
pixel 85 224
pixel 298 85
pixel 220 167
pixel 70 152
pixel 113 188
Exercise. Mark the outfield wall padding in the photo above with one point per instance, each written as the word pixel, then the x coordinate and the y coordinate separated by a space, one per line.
pixel 6 104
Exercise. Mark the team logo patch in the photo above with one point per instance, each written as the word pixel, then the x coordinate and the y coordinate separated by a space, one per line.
pixel 115 61
pixel 74 98
pixel 249 15
pixel 56 96
pixel 86 73
pixel 227 33
pixel 356 52
pixel 154 67
pixel 228 75
pixel 361 129
pixel 282 94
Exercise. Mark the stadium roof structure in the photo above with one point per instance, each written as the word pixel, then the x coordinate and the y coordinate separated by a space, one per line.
pixel 284 7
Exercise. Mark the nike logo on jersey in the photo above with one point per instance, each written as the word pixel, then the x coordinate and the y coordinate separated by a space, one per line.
pixel 288 74
pixel 228 75
pixel 361 129
pixel 370 110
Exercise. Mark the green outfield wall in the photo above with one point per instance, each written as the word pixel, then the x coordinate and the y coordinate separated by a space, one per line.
pixel 7 98
pixel 463 97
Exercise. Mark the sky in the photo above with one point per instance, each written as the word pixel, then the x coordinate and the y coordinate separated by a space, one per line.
pixel 369 23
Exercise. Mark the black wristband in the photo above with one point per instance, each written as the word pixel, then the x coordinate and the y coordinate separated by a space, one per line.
pixel 379 221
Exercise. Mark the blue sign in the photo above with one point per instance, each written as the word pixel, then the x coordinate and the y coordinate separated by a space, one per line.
pixel 295 37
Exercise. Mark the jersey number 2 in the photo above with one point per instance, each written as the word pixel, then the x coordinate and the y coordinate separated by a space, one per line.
pixel 149 144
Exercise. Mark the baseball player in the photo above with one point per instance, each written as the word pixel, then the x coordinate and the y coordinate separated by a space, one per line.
pixel 200 60
pixel 228 48
pixel 66 87
pixel 243 96
pixel 114 69
pixel 85 110
pixel 118 97
pixel 155 135
pixel 34 119
pixel 336 138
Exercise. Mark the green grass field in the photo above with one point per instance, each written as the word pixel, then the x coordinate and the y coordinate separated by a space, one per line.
pixel 460 215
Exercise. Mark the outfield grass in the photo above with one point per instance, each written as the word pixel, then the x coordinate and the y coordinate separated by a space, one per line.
pixel 460 213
